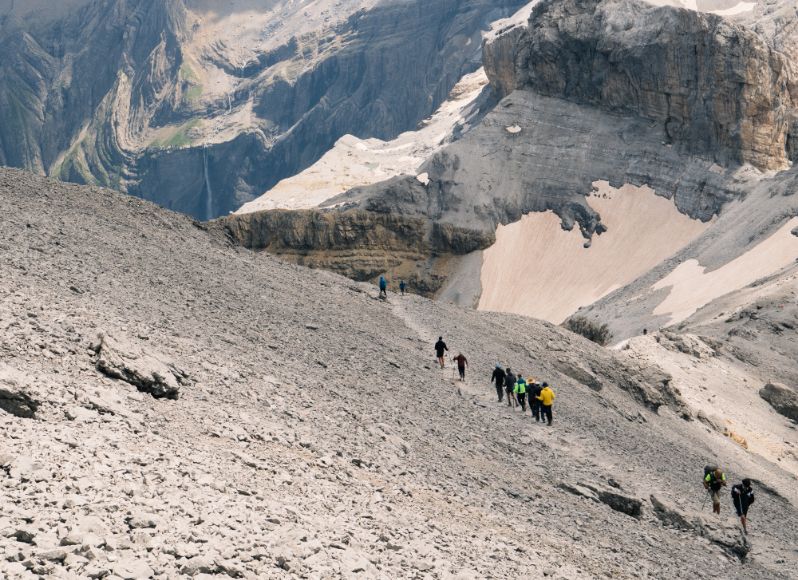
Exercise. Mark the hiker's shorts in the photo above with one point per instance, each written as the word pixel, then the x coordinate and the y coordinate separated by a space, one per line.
pixel 739 508
pixel 715 496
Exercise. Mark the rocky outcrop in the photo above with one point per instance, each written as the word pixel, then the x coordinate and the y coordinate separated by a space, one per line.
pixel 782 398
pixel 74 88
pixel 121 359
pixel 574 370
pixel 609 90
pixel 619 502
pixel 718 90
pixel 15 397
pixel 494 176
pixel 359 244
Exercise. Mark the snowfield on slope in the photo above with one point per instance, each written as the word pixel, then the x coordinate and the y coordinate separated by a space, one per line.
pixel 354 162
pixel 538 269
pixel 691 286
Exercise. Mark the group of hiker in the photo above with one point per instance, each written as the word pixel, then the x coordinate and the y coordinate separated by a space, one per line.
pixel 517 388
pixel 742 494
pixel 540 398
pixel 383 284
pixel 440 353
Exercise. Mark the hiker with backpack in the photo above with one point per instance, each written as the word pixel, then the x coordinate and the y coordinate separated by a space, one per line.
pixel 462 363
pixel 742 497
pixel 520 392
pixel 402 287
pixel 383 287
pixel 546 398
pixel 534 402
pixel 714 481
pixel 440 348
pixel 509 385
pixel 498 378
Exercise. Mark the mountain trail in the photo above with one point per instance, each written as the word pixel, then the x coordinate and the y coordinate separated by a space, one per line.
pixel 313 436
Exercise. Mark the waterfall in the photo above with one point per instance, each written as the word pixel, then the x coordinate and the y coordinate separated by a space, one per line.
pixel 208 190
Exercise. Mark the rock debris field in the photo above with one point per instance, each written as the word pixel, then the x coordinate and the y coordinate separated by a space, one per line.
pixel 175 406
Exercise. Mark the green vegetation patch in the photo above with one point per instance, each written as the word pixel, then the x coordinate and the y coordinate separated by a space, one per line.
pixel 187 73
pixel 180 138
pixel 590 329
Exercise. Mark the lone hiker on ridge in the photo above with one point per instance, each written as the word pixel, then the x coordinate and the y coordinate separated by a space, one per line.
pixel 546 398
pixel 402 287
pixel 713 482
pixel 742 498
pixel 440 348
pixel 462 363
pixel 498 377
pixel 383 287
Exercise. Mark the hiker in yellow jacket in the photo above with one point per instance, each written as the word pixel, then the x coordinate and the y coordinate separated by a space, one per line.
pixel 546 398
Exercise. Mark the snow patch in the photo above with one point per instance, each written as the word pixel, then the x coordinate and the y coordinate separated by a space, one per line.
pixel 537 269
pixel 692 287
pixel 355 162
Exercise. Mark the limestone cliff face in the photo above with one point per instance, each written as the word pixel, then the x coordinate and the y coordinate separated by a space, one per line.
pixel 614 90
pixel 719 90
pixel 61 85
pixel 359 244
pixel 107 93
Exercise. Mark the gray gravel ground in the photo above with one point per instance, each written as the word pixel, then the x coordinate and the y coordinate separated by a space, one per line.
pixel 314 437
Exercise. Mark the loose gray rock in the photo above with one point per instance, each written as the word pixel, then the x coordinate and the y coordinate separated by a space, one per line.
pixel 200 565
pixel 346 455
pixel 579 374
pixel 141 521
pixel 121 359
pixel 24 536
pixel 621 503
pixel 56 555
pixel 782 398
pixel 131 568
pixel 14 397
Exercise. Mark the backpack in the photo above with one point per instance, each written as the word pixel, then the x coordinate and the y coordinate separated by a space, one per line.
pixel 709 469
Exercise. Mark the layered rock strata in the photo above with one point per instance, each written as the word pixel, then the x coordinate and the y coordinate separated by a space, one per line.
pixel 718 90
pixel 359 244
pixel 134 96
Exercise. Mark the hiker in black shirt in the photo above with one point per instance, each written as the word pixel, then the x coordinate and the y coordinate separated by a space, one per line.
pixel 440 348
pixel 498 377
pixel 742 498
pixel 509 385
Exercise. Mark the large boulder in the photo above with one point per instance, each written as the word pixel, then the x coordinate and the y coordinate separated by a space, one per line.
pixel 619 502
pixel 575 371
pixel 782 398
pixel 672 517
pixel 150 373
pixel 15 397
